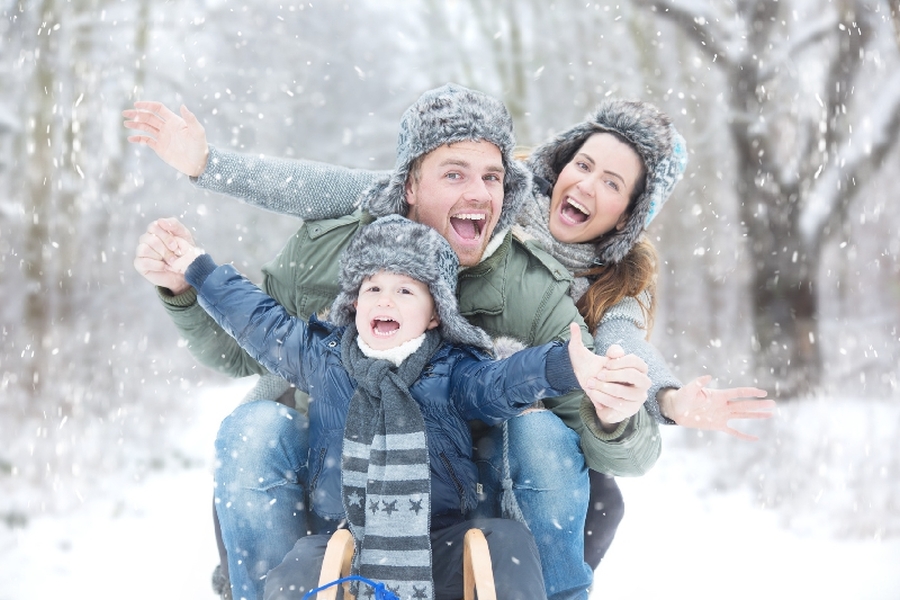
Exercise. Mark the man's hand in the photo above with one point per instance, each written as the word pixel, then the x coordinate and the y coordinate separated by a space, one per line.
pixel 616 384
pixel 157 248
pixel 699 407
pixel 179 141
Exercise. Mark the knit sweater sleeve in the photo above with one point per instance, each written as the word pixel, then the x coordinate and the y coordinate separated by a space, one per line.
pixel 624 324
pixel 305 189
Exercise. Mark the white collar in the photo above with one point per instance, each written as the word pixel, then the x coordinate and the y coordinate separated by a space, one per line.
pixel 396 354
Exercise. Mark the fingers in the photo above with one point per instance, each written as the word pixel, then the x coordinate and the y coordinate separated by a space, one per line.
pixel 188 116
pixel 615 351
pixel 625 361
pixel 175 228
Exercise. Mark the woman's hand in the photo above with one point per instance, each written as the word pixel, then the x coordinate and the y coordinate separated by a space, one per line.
pixel 616 384
pixel 699 407
pixel 179 140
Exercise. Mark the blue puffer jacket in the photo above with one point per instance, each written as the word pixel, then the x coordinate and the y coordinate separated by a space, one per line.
pixel 458 384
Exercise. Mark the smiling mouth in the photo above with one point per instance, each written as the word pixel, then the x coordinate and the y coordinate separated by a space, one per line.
pixel 574 211
pixel 468 226
pixel 385 327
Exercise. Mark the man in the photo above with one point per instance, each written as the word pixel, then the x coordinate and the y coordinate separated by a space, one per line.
pixel 454 172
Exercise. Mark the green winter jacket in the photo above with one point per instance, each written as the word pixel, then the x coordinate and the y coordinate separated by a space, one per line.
pixel 518 292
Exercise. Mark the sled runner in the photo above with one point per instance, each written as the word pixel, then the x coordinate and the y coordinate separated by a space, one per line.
pixel 478 574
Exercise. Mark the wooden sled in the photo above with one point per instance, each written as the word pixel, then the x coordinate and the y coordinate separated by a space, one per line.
pixel 478 573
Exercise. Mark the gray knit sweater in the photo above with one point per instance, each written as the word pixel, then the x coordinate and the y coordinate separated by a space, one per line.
pixel 313 191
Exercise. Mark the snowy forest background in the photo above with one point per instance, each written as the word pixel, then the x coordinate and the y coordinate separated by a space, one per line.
pixel 780 249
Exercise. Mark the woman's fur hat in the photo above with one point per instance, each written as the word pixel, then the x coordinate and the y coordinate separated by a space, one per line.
pixel 661 148
pixel 398 245
pixel 447 115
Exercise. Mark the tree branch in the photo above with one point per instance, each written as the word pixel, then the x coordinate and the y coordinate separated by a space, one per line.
pixel 695 19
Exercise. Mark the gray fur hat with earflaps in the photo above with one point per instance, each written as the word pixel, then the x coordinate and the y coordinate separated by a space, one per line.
pixel 651 133
pixel 398 245
pixel 448 115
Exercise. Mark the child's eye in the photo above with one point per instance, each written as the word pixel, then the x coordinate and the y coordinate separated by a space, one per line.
pixel 405 291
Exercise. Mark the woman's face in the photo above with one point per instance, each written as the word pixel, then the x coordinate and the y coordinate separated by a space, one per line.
pixel 593 190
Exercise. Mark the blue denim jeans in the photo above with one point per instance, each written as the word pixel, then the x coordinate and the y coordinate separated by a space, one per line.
pixel 260 495
pixel 533 470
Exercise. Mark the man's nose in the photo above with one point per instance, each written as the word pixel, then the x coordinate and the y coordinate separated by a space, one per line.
pixel 477 191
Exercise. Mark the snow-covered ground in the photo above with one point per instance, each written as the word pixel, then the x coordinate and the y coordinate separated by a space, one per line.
pixel 679 539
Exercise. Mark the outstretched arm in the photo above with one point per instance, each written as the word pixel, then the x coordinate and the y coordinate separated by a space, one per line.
pixel 699 407
pixel 306 189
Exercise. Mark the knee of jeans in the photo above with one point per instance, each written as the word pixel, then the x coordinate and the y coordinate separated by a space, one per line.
pixel 262 437
pixel 544 452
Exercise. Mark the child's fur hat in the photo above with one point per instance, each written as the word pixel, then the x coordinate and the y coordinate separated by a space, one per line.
pixel 398 245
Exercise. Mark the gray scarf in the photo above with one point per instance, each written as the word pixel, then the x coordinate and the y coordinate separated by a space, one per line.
pixel 533 220
pixel 385 471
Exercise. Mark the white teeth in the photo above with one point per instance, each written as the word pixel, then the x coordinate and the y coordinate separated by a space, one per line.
pixel 477 217
pixel 578 206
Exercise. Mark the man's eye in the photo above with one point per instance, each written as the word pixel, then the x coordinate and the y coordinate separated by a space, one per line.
pixel 454 175
pixel 493 178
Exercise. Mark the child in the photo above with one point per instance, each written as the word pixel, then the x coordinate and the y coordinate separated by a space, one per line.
pixel 394 379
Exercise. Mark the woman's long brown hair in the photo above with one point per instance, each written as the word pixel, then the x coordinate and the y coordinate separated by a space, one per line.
pixel 634 274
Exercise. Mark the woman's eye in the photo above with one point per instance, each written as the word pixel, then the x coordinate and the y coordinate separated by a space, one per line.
pixel 613 184
pixel 582 165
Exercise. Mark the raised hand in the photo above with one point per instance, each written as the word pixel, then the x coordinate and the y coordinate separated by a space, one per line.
pixel 179 140
pixel 699 407
pixel 159 246
pixel 616 384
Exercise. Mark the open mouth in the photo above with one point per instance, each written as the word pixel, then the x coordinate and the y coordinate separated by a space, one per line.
pixel 573 211
pixel 468 226
pixel 385 327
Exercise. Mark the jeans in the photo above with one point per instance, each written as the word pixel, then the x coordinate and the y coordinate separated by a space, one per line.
pixel 260 496
pixel 514 559
pixel 532 469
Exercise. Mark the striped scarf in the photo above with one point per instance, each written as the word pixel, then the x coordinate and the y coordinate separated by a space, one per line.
pixel 385 473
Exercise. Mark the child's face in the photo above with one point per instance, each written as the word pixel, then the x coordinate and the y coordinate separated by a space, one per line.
pixel 393 309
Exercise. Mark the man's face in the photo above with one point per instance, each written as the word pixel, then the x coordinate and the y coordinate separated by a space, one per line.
pixel 459 192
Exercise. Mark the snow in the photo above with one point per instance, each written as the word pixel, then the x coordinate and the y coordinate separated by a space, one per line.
pixel 681 537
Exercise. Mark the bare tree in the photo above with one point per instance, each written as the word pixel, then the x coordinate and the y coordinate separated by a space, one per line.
pixel 807 124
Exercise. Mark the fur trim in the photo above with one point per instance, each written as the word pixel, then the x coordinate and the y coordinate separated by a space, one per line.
pixel 447 115
pixel 396 244
pixel 660 146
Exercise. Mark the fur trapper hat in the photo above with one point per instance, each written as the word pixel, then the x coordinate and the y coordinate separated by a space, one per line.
pixel 661 148
pixel 398 245
pixel 447 115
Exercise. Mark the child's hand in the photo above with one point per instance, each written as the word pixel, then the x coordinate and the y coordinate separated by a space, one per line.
pixel 160 253
pixel 180 246
pixel 699 407
pixel 617 384
pixel 179 140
